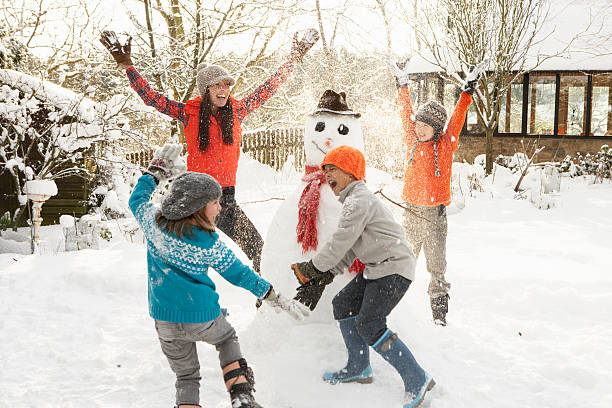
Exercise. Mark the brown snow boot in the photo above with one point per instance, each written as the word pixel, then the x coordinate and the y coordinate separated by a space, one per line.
pixel 239 380
pixel 439 309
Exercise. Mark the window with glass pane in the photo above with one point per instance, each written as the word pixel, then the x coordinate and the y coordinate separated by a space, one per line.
pixel 415 90
pixel 572 104
pixel 471 121
pixel 541 104
pixel 601 105
pixel 451 96
pixel 432 89
pixel 511 111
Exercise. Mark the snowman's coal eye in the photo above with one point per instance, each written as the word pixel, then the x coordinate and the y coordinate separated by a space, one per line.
pixel 343 130
pixel 320 126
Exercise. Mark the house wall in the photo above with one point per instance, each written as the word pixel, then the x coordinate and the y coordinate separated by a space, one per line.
pixel 555 147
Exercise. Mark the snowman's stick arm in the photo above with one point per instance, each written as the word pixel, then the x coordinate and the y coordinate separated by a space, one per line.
pixel 408 209
pixel 261 201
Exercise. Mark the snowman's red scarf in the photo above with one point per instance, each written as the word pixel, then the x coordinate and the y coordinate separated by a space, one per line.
pixel 308 207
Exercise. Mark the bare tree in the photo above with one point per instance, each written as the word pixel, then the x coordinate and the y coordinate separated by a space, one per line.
pixel 457 34
pixel 197 32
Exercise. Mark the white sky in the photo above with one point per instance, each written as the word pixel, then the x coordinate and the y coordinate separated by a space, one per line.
pixel 363 28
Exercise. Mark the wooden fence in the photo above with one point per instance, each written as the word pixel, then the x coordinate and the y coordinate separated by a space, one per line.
pixel 271 147
pixel 141 158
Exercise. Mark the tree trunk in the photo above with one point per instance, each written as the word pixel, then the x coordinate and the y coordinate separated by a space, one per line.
pixel 489 150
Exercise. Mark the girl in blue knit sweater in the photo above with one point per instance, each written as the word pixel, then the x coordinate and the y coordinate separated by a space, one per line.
pixel 181 246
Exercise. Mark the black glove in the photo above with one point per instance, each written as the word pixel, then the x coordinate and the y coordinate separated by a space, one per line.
pixel 310 292
pixel 305 271
pixel 121 53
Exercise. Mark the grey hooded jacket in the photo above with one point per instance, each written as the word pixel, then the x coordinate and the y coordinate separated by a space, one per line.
pixel 368 231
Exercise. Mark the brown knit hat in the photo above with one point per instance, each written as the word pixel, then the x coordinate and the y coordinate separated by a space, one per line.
pixel 348 159
pixel 334 102
pixel 433 114
pixel 209 75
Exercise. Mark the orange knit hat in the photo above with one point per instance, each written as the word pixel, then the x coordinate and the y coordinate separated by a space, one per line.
pixel 348 159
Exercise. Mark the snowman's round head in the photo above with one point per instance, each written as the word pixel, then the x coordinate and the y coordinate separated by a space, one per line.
pixel 333 124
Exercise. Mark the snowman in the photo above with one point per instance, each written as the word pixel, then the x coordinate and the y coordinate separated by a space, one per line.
pixel 309 216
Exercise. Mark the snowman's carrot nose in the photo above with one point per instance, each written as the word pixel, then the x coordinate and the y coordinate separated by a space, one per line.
pixel 329 142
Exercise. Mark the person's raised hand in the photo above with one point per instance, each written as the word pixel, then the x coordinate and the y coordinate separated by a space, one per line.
pixel 167 162
pixel 299 47
pixel 120 52
pixel 400 70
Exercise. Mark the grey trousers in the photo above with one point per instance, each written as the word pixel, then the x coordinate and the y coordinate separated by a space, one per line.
pixel 426 228
pixel 178 343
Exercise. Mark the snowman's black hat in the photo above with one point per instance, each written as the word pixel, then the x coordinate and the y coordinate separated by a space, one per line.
pixel 334 102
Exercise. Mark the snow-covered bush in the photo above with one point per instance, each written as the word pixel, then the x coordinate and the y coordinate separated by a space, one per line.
pixel 5 222
pixel 568 166
pixel 598 164
pixel 49 132
pixel 112 183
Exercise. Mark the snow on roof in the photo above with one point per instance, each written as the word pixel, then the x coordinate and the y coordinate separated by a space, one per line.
pixel 587 22
pixel 60 97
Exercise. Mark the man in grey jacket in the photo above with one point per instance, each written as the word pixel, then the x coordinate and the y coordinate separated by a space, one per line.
pixel 368 231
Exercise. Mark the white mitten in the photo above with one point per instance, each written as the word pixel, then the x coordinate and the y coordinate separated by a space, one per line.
pixel 290 306
pixel 400 71
pixel 167 162
pixel 299 47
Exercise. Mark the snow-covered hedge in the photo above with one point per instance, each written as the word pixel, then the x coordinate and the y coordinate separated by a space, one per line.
pixel 598 164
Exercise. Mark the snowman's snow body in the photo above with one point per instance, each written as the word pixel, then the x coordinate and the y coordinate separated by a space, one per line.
pixel 324 131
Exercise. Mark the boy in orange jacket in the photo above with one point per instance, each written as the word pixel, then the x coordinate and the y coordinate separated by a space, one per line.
pixel 426 193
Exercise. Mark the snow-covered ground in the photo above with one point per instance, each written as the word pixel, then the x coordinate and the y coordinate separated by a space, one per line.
pixel 530 317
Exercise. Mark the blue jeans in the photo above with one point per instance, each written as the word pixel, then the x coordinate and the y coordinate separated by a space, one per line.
pixel 371 300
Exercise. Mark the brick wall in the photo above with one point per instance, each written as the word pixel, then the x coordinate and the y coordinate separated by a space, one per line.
pixel 555 148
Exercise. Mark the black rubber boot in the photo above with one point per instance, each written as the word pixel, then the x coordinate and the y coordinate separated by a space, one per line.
pixel 241 394
pixel 439 309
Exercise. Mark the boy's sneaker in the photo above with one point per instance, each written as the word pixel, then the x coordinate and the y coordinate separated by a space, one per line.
pixel 439 309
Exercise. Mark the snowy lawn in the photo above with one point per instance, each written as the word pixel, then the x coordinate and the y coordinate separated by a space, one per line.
pixel 530 318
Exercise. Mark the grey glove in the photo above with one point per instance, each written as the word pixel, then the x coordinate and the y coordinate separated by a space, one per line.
pixel 299 48
pixel 281 303
pixel 400 71
pixel 167 162
pixel 473 76
pixel 121 53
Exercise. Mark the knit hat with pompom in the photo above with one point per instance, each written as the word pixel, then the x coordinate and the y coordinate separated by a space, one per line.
pixel 433 114
pixel 209 75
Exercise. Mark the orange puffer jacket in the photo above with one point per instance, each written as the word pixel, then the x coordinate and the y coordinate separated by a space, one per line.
pixel 220 160
pixel 421 186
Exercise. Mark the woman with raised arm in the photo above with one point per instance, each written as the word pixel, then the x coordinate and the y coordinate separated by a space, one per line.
pixel 212 124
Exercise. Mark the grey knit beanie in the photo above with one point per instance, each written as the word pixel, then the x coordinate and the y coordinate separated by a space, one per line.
pixel 209 75
pixel 188 193
pixel 433 114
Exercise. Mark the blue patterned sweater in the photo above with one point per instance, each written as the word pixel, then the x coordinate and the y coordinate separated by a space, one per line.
pixel 180 289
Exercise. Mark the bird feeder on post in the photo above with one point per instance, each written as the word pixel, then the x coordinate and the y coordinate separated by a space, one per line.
pixel 39 191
